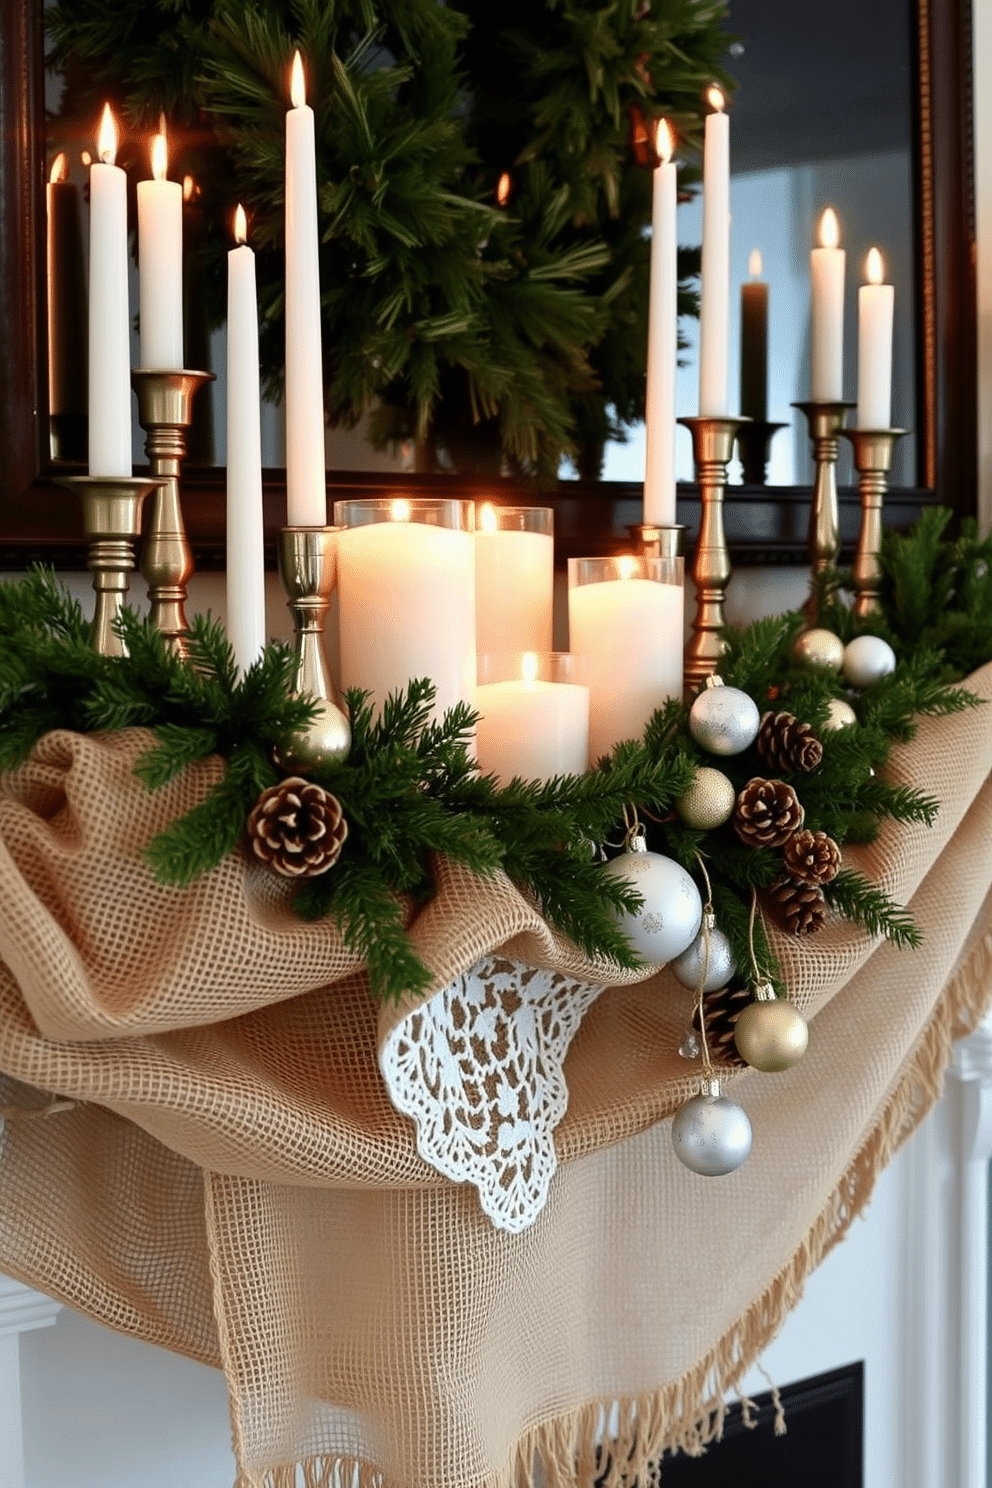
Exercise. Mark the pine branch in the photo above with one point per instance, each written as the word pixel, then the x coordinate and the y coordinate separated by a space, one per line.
pixel 860 900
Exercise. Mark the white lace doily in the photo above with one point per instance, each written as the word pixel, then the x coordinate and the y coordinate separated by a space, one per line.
pixel 479 1067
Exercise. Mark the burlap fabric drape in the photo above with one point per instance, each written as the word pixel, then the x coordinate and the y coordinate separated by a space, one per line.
pixel 233 1183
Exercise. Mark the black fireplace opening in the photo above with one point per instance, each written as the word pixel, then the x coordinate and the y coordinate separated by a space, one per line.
pixel 823 1446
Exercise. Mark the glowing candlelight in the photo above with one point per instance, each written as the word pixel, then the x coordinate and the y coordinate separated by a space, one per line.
pixel 875 307
pixel 714 297
pixel 659 407
pixel 305 478
pixel 109 328
pixel 827 266
pixel 160 263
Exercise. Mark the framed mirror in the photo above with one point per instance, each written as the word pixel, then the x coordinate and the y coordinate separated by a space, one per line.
pixel 765 524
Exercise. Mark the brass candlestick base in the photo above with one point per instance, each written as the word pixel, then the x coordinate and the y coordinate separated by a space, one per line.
pixel 712 447
pixel 306 562
pixel 825 423
pixel 165 411
pixel 657 541
pixel 111 520
pixel 754 441
pixel 873 461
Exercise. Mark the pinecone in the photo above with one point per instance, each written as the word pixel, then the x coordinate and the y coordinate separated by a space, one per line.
pixel 722 1009
pixel 767 813
pixel 799 908
pixel 297 828
pixel 786 744
pixel 811 857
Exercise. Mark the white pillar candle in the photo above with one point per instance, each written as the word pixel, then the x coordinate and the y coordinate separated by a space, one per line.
pixel 109 330
pixel 659 474
pixel 532 727
pixel 406 593
pixel 827 324
pixel 160 265
pixel 629 630
pixel 514 579
pixel 245 552
pixel 714 293
pixel 305 479
pixel 875 305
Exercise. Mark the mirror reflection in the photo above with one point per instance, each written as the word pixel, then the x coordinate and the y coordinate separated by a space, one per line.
pixel 822 117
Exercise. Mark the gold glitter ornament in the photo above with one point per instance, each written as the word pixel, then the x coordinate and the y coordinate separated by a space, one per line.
pixel 709 800
pixel 819 648
pixel 770 1033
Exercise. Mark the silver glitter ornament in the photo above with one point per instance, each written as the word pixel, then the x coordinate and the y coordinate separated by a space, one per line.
pixel 718 959
pixel 867 659
pixel 723 720
pixel 841 715
pixel 819 648
pixel 672 912
pixel 710 1134
pixel 709 800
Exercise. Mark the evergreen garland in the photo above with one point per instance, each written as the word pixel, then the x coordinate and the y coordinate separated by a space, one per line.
pixel 410 790
pixel 487 333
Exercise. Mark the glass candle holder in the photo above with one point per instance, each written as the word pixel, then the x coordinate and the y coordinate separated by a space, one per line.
pixel 533 711
pixel 625 617
pixel 514 578
pixel 406 596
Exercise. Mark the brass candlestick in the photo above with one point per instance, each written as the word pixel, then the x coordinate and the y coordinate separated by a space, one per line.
pixel 825 423
pixel 165 411
pixel 754 441
pixel 306 562
pixel 712 447
pixel 655 540
pixel 111 520
pixel 873 461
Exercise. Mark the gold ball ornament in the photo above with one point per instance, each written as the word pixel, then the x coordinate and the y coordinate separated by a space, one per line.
pixel 771 1035
pixel 819 648
pixel 324 741
pixel 840 715
pixel 709 800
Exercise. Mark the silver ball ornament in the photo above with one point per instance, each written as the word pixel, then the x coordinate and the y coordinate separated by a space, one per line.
pixel 719 962
pixel 709 800
pixel 840 715
pixel 672 912
pixel 819 648
pixel 771 1036
pixel 710 1134
pixel 724 720
pixel 867 659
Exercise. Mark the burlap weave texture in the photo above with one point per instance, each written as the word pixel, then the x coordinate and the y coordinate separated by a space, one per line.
pixel 234 1183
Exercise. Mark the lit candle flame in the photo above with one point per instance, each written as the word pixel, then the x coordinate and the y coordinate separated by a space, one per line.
pixel 297 84
pixel 528 666
pixel 874 268
pixel 829 229
pixel 189 187
pixel 487 518
pixel 664 141
pixel 106 143
pixel 715 98
pixel 503 188
pixel 59 169
pixel 754 263
pixel 160 153
pixel 240 224
pixel 626 566
pixel 400 510
pixel 86 158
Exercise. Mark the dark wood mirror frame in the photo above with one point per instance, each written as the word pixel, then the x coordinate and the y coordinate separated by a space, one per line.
pixel 38 520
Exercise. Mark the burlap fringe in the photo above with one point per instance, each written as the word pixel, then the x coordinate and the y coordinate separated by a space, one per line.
pixel 621 1443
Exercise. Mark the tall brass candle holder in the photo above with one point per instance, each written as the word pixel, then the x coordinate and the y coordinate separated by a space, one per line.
pixel 656 540
pixel 165 411
pixel 712 448
pixel 112 521
pixel 306 562
pixel 826 420
pixel 873 461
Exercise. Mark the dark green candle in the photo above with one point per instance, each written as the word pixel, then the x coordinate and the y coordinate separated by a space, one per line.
pixel 754 345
